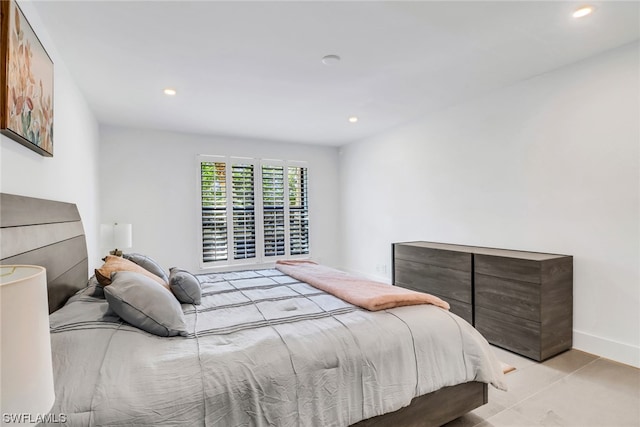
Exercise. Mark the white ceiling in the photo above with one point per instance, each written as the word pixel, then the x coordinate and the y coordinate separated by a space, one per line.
pixel 254 69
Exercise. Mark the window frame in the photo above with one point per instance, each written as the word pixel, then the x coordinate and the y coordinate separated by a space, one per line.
pixel 260 260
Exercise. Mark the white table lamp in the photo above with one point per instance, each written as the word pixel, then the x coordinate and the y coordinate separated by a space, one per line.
pixel 118 236
pixel 26 373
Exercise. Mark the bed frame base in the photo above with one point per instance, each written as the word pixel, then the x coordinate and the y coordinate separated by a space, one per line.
pixel 434 409
pixel 50 234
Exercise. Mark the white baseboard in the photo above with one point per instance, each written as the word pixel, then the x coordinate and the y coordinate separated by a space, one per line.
pixel 609 349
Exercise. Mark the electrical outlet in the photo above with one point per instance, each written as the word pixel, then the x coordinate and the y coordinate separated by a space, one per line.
pixel 382 269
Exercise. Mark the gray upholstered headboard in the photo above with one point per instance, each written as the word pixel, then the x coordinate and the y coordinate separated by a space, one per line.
pixel 49 234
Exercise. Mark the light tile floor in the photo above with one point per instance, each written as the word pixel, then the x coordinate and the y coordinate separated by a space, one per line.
pixel 573 389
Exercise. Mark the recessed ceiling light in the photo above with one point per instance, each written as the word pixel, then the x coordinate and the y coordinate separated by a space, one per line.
pixel 353 119
pixel 330 59
pixel 170 92
pixel 583 11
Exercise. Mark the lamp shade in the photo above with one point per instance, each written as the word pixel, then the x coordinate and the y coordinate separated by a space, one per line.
pixel 116 235
pixel 26 373
pixel 122 236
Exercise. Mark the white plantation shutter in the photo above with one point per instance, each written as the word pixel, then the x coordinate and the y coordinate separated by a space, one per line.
pixel 273 210
pixel 252 214
pixel 244 211
pixel 298 211
pixel 213 194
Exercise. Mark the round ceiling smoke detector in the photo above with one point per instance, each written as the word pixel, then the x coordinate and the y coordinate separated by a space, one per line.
pixel 330 59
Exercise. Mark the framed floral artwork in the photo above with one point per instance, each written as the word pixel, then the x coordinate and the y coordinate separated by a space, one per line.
pixel 26 83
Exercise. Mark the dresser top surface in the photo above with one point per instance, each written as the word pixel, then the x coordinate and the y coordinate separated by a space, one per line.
pixel 478 250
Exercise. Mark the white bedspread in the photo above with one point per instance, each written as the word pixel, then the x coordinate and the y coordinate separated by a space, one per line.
pixel 264 350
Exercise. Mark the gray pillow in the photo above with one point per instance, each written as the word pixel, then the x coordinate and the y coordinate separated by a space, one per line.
pixel 185 286
pixel 94 288
pixel 148 264
pixel 145 304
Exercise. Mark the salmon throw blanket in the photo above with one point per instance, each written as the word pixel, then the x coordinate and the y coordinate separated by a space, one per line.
pixel 364 293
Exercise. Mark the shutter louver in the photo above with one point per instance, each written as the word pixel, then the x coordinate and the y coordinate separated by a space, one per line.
pixel 244 213
pixel 273 210
pixel 214 211
pixel 298 211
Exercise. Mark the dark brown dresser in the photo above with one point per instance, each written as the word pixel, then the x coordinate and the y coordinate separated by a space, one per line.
pixel 521 301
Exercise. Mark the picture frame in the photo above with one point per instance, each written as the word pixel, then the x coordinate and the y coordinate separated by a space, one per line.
pixel 26 83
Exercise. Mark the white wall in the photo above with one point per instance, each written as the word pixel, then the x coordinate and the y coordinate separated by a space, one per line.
pixel 550 164
pixel 150 179
pixel 71 175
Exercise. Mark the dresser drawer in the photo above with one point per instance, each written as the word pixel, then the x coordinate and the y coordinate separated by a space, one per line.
pixel 512 333
pixel 524 270
pixel 462 309
pixel 447 259
pixel 519 299
pixel 445 282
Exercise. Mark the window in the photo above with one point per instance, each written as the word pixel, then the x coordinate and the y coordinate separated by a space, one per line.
pixel 243 211
pixel 252 212
pixel 273 210
pixel 298 211
pixel 214 211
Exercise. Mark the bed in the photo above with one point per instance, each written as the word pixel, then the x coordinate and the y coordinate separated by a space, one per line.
pixel 262 348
